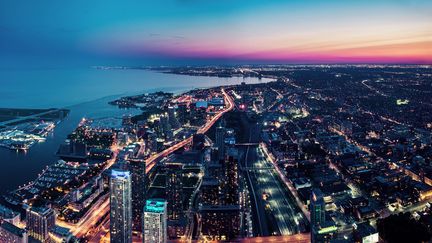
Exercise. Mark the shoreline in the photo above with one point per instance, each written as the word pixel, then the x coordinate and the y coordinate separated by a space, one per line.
pixel 85 109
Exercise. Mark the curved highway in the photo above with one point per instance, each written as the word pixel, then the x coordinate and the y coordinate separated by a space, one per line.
pixel 151 162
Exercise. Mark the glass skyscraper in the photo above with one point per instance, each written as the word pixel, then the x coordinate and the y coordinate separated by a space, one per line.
pixel 121 207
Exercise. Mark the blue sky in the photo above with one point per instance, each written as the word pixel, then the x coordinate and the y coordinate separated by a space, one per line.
pixel 189 31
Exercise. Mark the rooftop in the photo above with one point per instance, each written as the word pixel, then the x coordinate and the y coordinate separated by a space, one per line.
pixel 117 174
pixel 12 228
pixel 155 206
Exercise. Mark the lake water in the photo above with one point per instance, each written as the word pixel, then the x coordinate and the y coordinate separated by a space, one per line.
pixel 86 92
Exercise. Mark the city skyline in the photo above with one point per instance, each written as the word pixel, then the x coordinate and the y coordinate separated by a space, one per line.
pixel 192 32
pixel 216 121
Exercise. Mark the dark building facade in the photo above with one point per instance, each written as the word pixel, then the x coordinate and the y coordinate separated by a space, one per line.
pixel 220 223
pixel 139 188
pixel 174 190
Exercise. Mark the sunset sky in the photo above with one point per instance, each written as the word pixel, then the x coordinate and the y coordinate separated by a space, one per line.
pixel 224 31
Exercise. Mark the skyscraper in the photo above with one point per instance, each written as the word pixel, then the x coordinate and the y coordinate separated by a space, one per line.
pixel 165 125
pixel 137 168
pixel 40 220
pixel 231 184
pixel 155 221
pixel 174 190
pixel 172 117
pixel 220 143
pixel 121 206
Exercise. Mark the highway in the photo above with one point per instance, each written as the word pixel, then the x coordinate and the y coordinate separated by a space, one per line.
pixel 192 212
pixel 278 214
pixel 98 210
pixel 102 207
pixel 270 158
pixel 258 208
pixel 284 210
pixel 152 161
pixel 373 89
pixel 98 232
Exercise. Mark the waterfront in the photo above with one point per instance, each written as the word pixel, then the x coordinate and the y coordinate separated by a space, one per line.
pixel 85 88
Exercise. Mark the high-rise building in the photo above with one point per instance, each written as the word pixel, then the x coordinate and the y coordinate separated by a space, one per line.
pixel 40 220
pixel 209 192
pixel 317 207
pixel 220 141
pixel 213 168
pixel 165 125
pixel 198 142
pixel 11 233
pixel 151 143
pixel 121 206
pixel 137 168
pixel 317 213
pixel 172 117
pixel 231 182
pixel 155 221
pixel 174 190
pixel 182 113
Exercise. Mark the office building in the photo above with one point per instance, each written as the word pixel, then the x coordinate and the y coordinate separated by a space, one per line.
pixel 317 207
pixel 321 230
pixel 220 141
pixel 40 220
pixel 231 184
pixel 137 168
pixel 209 192
pixel 155 221
pixel 165 125
pixel 121 206
pixel 8 215
pixel 172 117
pixel 12 234
pixel 151 143
pixel 174 190
pixel 220 223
